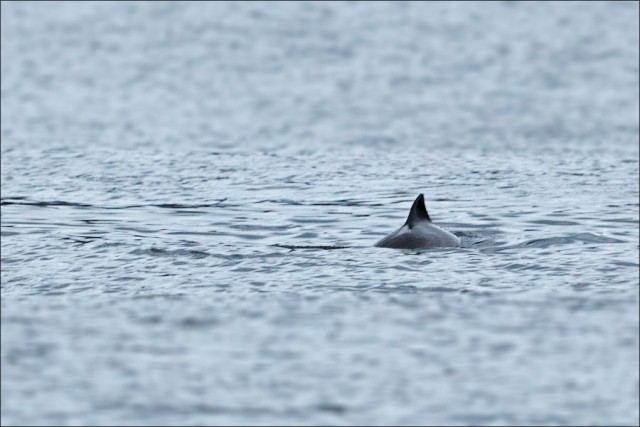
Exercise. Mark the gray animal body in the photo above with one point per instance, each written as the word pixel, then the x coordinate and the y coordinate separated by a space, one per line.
pixel 419 232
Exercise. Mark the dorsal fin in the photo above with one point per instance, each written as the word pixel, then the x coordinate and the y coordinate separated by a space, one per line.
pixel 418 212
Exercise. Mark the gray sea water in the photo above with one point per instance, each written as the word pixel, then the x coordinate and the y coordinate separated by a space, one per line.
pixel 191 193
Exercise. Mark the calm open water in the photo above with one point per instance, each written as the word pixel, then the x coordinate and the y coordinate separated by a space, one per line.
pixel 191 193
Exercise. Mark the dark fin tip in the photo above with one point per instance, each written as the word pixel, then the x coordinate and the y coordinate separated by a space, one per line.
pixel 418 212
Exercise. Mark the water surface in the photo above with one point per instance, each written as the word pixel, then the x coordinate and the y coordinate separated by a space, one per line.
pixel 191 193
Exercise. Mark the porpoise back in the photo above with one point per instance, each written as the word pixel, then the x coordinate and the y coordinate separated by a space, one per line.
pixel 419 232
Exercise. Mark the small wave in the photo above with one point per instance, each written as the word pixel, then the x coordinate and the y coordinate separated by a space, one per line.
pixel 553 241
pixel 552 222
pixel 326 248
pixel 574 238
pixel 185 206
pixel 22 201
pixel 157 252
pixel 82 240
pixel 345 202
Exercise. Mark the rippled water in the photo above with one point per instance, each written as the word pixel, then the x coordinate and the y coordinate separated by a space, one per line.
pixel 191 193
